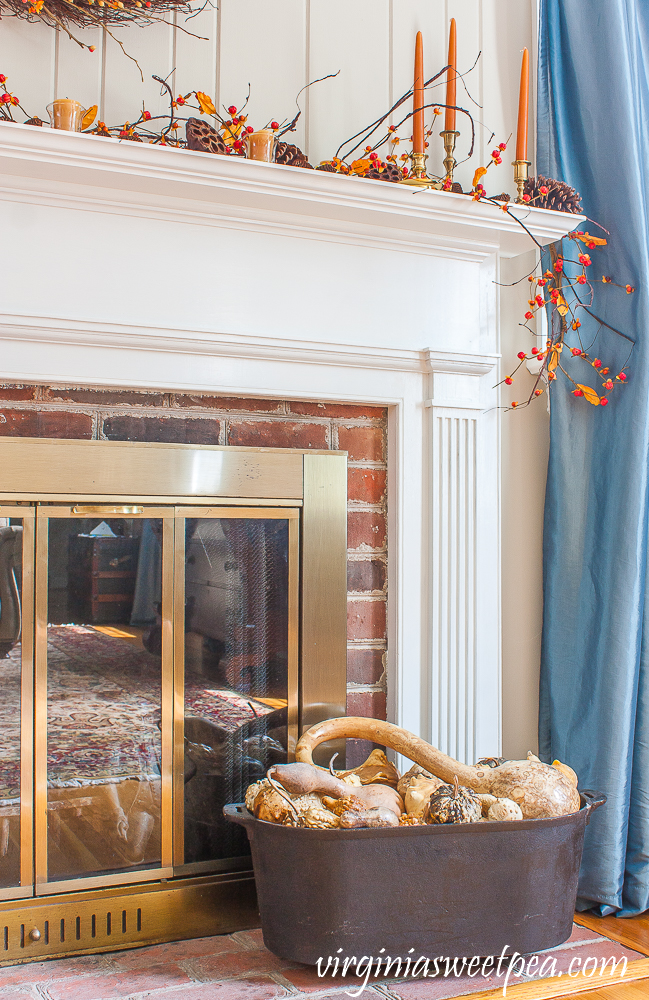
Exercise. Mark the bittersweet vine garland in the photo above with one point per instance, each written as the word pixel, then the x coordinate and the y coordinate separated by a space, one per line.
pixel 566 297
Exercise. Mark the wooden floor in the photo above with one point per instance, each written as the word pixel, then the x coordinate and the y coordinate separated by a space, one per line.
pixel 634 933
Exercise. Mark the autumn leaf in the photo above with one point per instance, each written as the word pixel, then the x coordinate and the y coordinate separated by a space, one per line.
pixel 589 394
pixel 554 357
pixel 562 306
pixel 361 167
pixel 588 239
pixel 480 172
pixel 89 117
pixel 207 107
pixel 230 133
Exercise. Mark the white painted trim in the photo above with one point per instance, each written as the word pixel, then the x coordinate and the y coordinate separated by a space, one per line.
pixel 464 364
pixel 98 174
pixel 123 337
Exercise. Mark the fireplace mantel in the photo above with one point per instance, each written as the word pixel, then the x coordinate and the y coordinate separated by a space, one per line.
pixel 132 265
pixel 66 168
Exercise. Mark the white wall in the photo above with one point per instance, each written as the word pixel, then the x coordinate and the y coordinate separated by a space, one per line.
pixel 525 441
pixel 277 46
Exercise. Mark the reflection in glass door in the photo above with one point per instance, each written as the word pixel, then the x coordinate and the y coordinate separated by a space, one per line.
pixel 16 645
pixel 236 631
pixel 103 717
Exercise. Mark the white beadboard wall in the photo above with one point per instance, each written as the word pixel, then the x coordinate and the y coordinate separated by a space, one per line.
pixel 278 46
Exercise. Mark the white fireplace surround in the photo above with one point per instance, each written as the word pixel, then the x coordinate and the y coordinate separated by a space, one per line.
pixel 132 265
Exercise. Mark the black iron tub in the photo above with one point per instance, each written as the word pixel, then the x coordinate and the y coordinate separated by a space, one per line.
pixel 457 890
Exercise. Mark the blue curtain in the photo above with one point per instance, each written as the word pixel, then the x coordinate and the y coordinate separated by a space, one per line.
pixel 593 133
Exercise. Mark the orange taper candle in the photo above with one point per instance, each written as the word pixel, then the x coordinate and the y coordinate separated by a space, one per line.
pixel 523 105
pixel 418 98
pixel 449 125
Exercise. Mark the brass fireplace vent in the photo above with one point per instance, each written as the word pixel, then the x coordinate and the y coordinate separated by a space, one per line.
pixel 171 618
pixel 112 919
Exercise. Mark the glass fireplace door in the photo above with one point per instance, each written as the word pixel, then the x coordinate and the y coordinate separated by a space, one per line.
pixel 103 695
pixel 236 669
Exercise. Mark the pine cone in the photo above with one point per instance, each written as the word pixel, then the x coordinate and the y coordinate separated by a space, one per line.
pixel 291 156
pixel 560 197
pixel 202 137
pixel 34 121
pixel 502 197
pixel 328 166
pixel 390 172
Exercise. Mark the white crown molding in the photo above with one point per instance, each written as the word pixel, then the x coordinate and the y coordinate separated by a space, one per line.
pixel 58 330
pixel 106 175
pixel 459 364
pixel 49 330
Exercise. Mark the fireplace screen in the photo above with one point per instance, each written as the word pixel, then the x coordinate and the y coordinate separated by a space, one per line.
pixel 160 649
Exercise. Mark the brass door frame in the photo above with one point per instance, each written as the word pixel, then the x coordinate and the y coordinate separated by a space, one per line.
pixel 292 515
pixel 155 473
pixel 26 888
pixel 44 886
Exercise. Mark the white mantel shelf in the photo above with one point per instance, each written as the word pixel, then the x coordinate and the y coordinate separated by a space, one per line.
pixel 59 168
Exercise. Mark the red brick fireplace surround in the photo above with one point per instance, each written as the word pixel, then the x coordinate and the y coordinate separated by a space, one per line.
pixel 134 415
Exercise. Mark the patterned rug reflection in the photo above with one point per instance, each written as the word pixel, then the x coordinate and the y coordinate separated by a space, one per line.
pixel 103 711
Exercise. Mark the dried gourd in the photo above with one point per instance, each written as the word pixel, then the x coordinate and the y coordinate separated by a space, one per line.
pixel 355 819
pixel 404 783
pixel 567 771
pixel 301 779
pixel 318 818
pixel 487 801
pixel 269 805
pixel 504 810
pixel 252 791
pixel 540 789
pixel 419 793
pixel 453 804
pixel 351 779
pixel 339 806
pixel 303 802
pixel 377 769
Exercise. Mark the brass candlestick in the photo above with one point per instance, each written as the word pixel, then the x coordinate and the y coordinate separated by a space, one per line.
pixel 418 176
pixel 521 169
pixel 449 138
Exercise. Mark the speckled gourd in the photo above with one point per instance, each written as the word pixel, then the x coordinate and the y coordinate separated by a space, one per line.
pixel 453 804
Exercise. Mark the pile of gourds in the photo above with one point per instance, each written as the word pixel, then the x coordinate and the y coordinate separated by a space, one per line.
pixel 436 789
